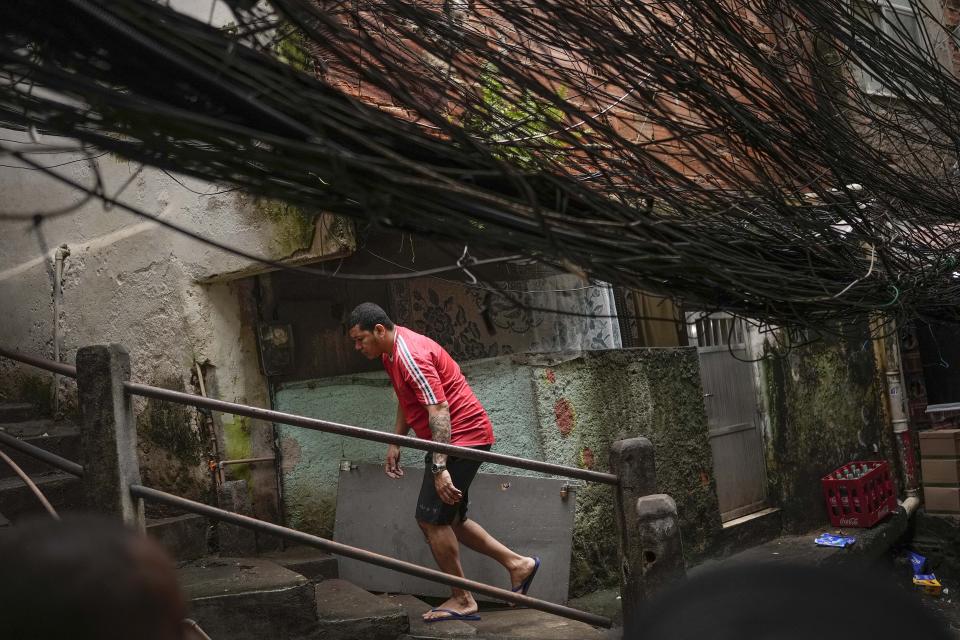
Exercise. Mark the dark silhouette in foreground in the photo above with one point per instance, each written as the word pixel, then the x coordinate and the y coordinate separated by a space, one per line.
pixel 87 578
pixel 789 602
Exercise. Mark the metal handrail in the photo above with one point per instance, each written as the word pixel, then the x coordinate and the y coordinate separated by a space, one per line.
pixel 367 434
pixel 329 427
pixel 30 485
pixel 62 368
pixel 41 454
pixel 340 549
pixel 146 493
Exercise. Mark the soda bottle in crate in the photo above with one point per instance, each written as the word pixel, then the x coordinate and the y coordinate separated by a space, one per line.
pixel 859 494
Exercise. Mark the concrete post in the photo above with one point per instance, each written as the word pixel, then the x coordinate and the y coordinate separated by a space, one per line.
pixel 108 434
pixel 651 553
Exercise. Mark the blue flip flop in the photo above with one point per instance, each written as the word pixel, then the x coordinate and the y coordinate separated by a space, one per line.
pixel 453 615
pixel 524 586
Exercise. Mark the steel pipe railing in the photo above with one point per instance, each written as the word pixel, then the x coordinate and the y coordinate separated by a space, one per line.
pixel 340 549
pixel 51 459
pixel 327 426
pixel 62 368
pixel 337 548
pixel 367 434
pixel 30 485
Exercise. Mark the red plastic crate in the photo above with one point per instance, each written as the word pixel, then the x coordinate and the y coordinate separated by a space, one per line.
pixel 863 501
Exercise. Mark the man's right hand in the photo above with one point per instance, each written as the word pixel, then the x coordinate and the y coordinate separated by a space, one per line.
pixel 392 466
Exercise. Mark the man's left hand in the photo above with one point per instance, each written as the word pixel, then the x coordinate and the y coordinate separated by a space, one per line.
pixel 445 489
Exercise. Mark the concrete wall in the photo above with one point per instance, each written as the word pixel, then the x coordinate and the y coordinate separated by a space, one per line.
pixel 170 300
pixel 823 408
pixel 564 408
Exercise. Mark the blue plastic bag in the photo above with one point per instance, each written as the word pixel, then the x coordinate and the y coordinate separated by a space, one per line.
pixel 831 540
pixel 917 561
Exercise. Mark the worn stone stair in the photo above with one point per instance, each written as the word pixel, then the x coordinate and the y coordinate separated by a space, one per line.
pixel 495 623
pixel 312 564
pixel 345 612
pixel 185 537
pixel 62 489
pixel 17 501
pixel 414 607
pixel 247 598
pixel 60 438
pixel 294 595
pixel 16 411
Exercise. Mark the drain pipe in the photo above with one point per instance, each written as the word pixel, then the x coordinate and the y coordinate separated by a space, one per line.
pixel 898 416
pixel 910 505
pixel 62 252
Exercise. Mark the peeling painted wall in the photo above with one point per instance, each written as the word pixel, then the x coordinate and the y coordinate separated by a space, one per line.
pixel 564 408
pixel 824 408
pixel 169 299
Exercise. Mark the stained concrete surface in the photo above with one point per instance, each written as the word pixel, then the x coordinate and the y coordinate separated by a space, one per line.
pixel 414 608
pixel 184 537
pixel 530 624
pixel 347 612
pixel 248 599
pixel 312 564
pixel 872 544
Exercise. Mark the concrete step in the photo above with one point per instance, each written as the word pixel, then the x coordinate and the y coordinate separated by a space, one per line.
pixel 530 624
pixel 420 630
pixel 184 537
pixel 495 624
pixel 17 411
pixel 312 564
pixel 249 599
pixel 61 489
pixel 347 612
pixel 61 438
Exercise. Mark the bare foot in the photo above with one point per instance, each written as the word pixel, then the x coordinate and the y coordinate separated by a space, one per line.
pixel 463 605
pixel 521 572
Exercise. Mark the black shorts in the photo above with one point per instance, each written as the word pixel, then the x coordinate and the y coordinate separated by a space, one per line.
pixel 430 508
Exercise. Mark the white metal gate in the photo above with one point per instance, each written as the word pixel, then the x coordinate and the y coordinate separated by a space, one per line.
pixel 730 399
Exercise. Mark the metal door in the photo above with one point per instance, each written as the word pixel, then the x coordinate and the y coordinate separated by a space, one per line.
pixel 730 398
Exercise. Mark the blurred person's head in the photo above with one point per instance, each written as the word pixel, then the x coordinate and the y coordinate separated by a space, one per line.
pixel 86 578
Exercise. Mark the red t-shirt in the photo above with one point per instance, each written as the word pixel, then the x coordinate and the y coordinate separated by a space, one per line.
pixel 423 373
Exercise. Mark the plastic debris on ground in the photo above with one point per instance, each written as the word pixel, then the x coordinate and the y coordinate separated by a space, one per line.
pixel 834 540
pixel 917 561
pixel 928 583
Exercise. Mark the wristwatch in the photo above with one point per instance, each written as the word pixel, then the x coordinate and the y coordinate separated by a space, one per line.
pixel 437 468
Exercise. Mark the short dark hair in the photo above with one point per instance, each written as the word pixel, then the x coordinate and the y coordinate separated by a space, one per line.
pixel 367 315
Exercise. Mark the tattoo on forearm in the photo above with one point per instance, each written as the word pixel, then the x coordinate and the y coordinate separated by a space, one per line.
pixel 440 427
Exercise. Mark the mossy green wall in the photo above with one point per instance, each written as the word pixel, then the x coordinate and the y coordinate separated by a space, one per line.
pixel 559 408
pixel 824 409
pixel 171 450
pixel 587 402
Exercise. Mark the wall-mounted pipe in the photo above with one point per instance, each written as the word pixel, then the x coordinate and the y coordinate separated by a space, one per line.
pixel 61 255
pixel 910 505
pixel 896 399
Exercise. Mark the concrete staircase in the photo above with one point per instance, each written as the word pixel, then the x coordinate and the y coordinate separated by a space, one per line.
pixel 293 594
pixel 61 489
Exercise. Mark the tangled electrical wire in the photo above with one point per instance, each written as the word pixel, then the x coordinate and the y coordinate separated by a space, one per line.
pixel 795 163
